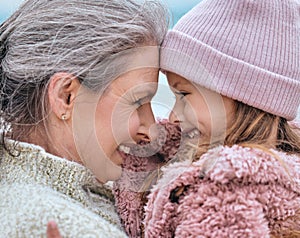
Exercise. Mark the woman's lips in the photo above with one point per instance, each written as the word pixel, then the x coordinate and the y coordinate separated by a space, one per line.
pixel 143 148
pixel 125 149
pixel 192 133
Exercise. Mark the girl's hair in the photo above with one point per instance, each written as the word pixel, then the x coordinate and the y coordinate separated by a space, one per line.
pixel 256 127
pixel 47 36
pixel 253 127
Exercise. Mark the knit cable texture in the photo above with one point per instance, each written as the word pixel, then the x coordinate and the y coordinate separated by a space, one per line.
pixel 36 187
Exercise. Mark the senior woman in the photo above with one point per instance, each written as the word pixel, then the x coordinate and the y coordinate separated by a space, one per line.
pixel 77 78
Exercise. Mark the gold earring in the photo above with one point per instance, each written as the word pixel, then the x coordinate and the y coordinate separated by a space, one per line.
pixel 64 117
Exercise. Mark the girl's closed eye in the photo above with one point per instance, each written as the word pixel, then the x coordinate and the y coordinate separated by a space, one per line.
pixel 181 94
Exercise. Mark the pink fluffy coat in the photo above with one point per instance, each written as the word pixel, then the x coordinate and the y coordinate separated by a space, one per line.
pixel 230 192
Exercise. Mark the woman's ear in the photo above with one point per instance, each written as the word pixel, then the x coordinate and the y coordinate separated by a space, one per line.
pixel 62 90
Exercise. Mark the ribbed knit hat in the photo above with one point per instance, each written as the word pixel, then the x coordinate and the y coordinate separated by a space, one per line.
pixel 248 50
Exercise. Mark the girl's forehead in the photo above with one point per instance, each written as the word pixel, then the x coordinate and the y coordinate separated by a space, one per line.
pixel 176 80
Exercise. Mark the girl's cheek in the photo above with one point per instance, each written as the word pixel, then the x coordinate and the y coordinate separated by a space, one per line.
pixel 190 115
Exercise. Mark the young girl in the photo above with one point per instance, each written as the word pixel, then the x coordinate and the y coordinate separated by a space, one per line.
pixel 233 63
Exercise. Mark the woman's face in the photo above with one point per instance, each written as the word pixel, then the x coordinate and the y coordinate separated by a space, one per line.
pixel 104 125
pixel 201 112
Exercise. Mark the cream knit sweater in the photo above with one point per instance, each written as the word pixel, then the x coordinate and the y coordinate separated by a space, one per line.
pixel 36 187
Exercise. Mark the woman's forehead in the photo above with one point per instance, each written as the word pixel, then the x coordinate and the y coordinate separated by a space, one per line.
pixel 142 82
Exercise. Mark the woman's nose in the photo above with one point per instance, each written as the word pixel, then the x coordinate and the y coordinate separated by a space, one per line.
pixel 147 130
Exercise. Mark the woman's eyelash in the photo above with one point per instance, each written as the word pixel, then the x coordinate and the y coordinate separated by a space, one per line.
pixel 139 102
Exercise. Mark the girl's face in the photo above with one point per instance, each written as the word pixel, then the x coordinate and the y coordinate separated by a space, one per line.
pixel 201 112
pixel 105 126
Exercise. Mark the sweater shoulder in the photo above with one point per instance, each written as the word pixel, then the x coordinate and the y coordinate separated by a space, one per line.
pixel 29 207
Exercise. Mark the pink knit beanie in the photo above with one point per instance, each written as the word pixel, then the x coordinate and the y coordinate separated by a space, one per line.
pixel 248 50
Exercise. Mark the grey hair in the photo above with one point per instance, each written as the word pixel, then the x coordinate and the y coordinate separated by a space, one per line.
pixel 47 36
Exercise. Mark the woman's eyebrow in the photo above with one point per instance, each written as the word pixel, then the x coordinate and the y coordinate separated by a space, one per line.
pixel 147 91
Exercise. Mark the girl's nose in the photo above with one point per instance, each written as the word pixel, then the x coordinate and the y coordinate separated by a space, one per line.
pixel 173 118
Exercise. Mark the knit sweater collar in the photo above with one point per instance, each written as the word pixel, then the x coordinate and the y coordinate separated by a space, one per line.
pixel 32 164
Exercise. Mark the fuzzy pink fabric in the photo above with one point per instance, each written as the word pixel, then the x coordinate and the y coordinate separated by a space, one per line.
pixel 244 193
pixel 230 192
pixel 129 200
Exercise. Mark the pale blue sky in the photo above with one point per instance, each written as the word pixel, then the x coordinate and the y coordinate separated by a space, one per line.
pixel 178 7
pixel 7 7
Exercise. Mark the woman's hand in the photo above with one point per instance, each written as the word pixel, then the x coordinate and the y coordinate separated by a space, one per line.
pixel 52 230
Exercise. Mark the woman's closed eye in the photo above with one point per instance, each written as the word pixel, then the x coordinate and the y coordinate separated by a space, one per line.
pixel 138 102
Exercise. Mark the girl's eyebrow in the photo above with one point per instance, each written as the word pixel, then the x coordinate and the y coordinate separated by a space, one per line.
pixel 175 85
pixel 178 83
